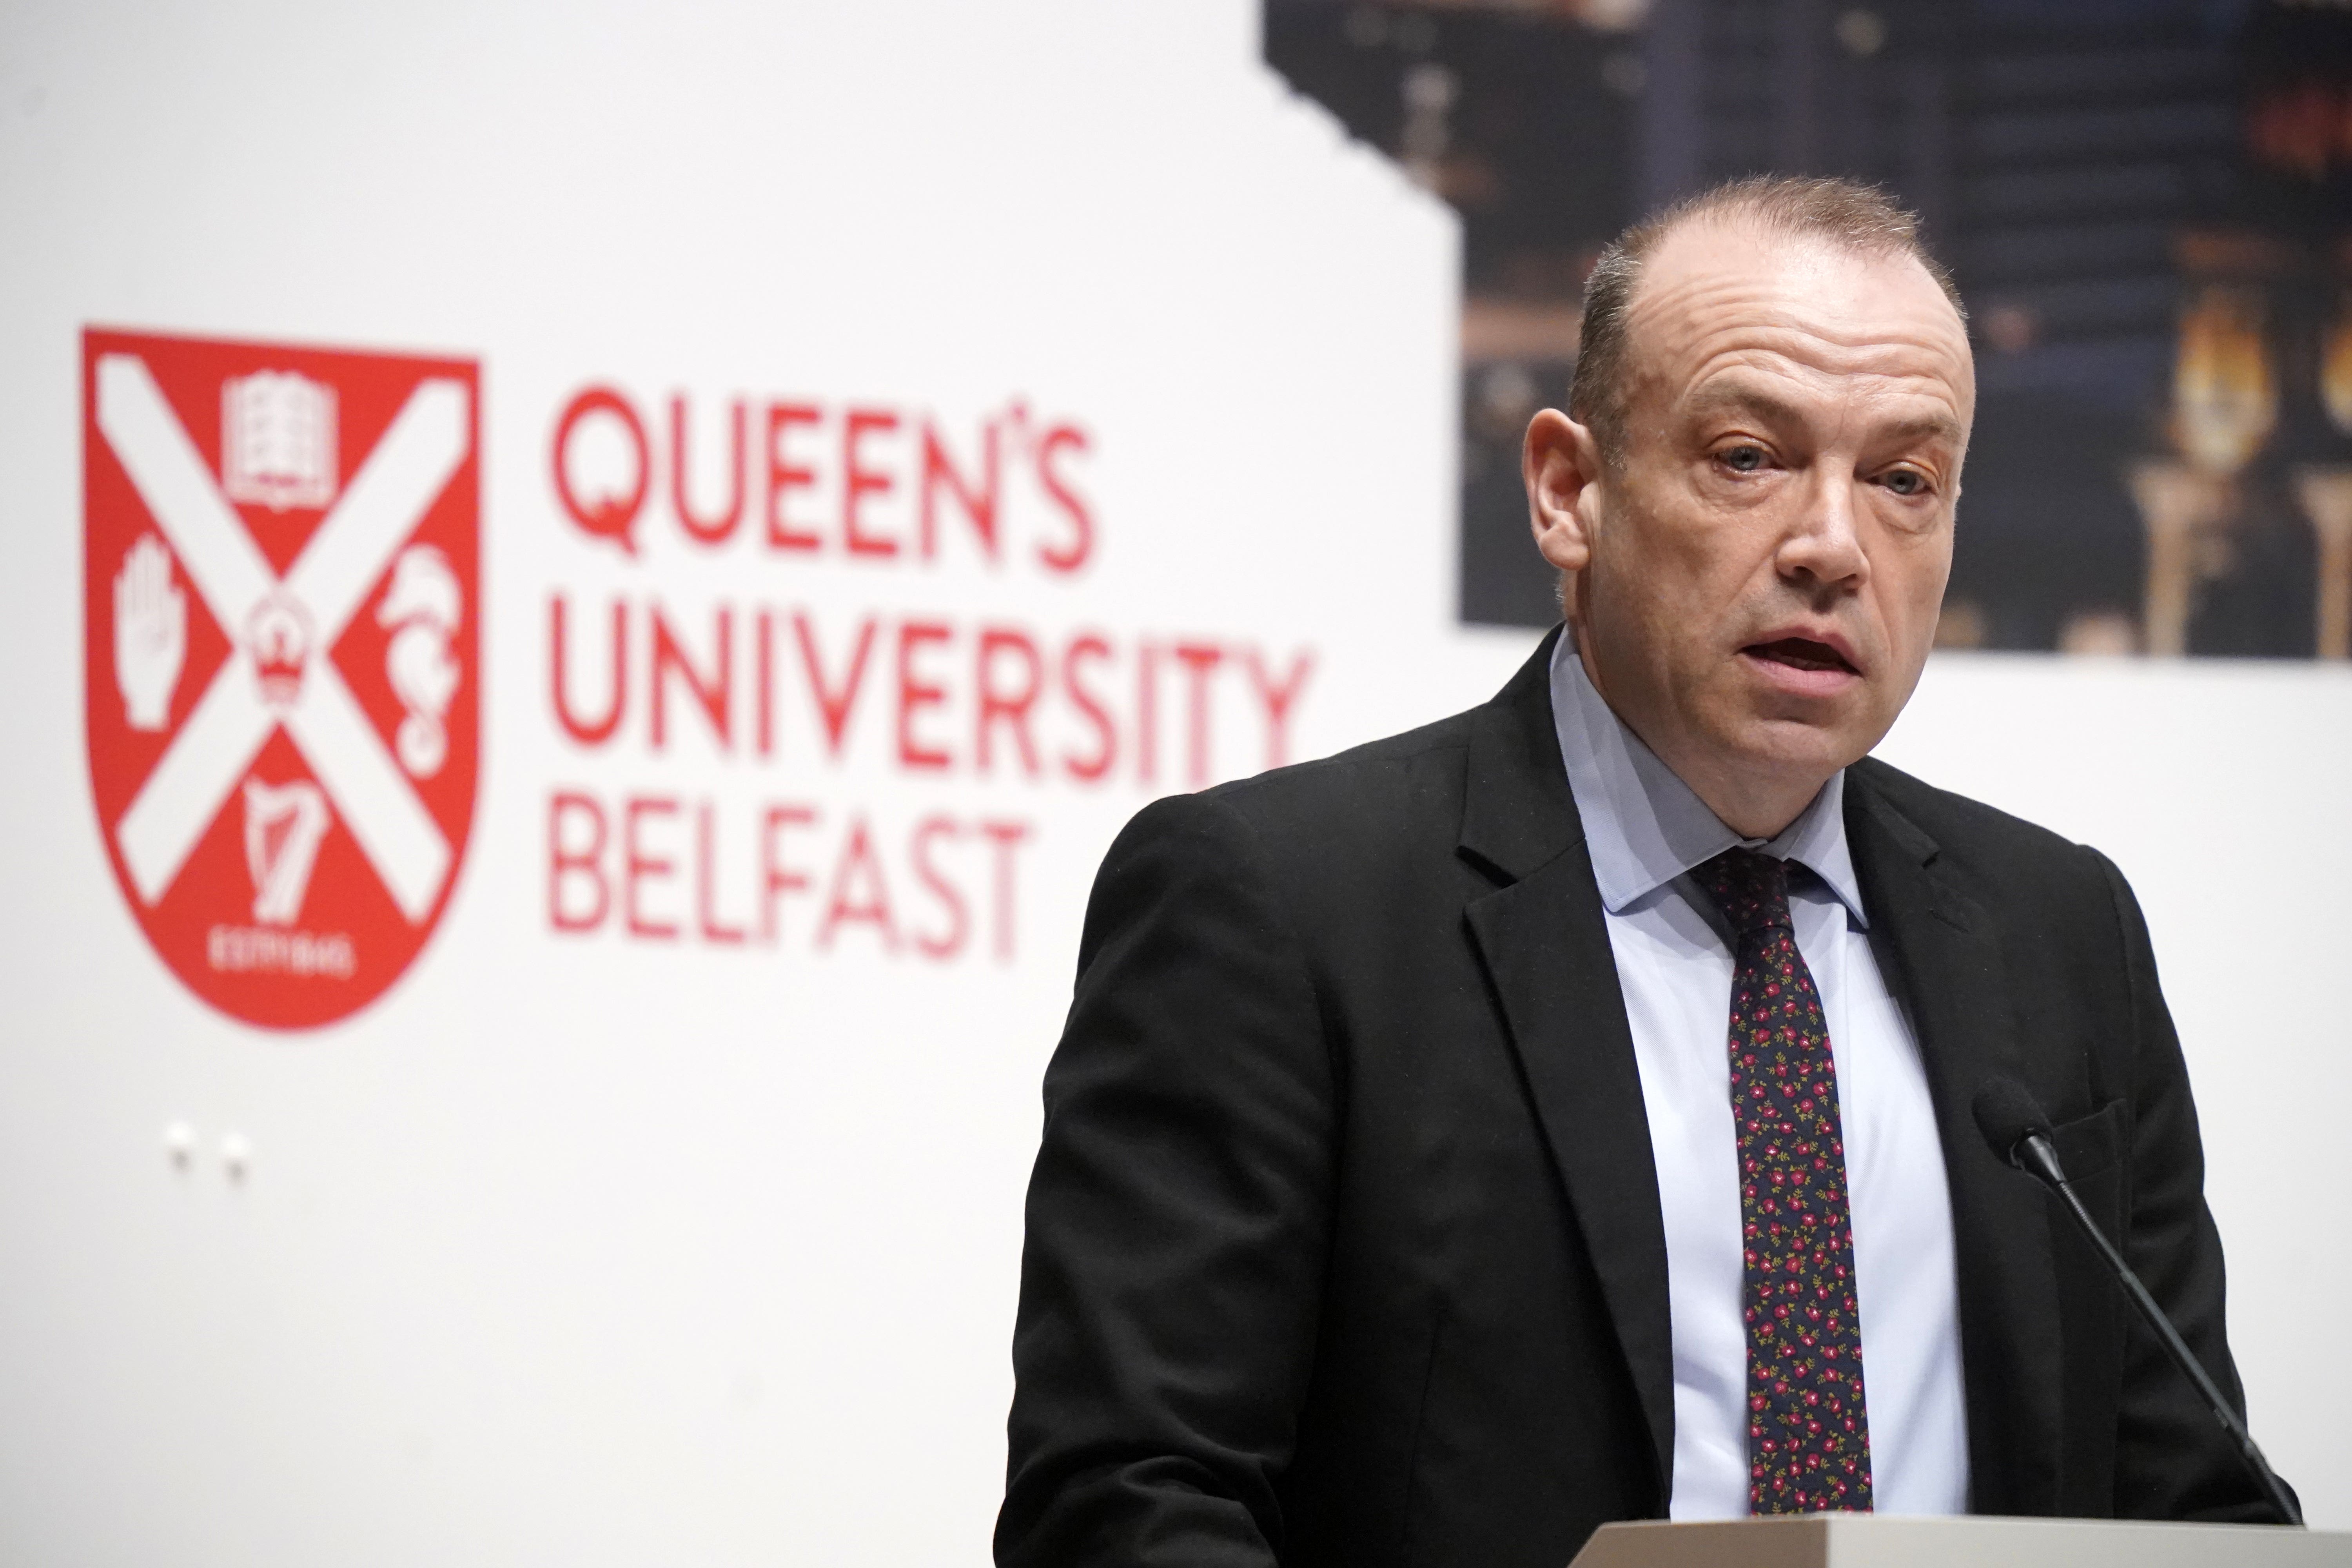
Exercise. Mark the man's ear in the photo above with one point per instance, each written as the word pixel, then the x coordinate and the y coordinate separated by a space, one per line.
pixel 1561 464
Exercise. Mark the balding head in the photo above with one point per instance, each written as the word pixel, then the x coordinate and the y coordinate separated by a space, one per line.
pixel 1841 214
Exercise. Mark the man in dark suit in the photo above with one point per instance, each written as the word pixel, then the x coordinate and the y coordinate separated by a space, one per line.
pixel 1561 1113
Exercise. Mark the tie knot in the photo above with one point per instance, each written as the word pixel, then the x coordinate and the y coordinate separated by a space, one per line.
pixel 1751 889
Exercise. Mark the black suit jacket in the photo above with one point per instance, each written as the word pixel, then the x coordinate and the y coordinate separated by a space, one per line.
pixel 1344 1242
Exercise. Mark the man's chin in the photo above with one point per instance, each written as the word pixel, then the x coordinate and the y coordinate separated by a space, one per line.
pixel 1804 748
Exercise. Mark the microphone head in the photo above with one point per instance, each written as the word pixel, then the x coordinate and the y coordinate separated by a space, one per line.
pixel 2007 1114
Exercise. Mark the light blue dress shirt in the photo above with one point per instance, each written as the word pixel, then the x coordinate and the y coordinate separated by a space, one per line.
pixel 1645 830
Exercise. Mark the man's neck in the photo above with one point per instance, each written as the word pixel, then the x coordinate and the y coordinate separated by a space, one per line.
pixel 1754 803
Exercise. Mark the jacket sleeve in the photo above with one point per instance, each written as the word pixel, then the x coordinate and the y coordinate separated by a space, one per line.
pixel 1177 1216
pixel 2172 1458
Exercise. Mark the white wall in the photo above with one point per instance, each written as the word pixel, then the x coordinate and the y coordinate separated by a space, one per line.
pixel 621 1250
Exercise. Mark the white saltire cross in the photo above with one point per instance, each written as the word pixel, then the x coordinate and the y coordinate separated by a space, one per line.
pixel 379 509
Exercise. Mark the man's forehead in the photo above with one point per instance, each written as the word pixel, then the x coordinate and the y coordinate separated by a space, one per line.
pixel 1717 296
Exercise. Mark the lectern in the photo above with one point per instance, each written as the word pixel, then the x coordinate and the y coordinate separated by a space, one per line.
pixel 1871 1541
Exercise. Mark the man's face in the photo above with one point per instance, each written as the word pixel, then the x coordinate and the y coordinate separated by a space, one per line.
pixel 1758 580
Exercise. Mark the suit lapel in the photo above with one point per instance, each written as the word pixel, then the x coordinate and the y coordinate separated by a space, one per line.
pixel 1935 945
pixel 1546 947
pixel 1545 944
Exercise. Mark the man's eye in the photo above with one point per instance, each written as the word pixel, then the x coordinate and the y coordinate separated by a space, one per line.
pixel 1742 459
pixel 1906 482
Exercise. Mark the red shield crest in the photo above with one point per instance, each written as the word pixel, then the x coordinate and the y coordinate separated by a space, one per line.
pixel 282 620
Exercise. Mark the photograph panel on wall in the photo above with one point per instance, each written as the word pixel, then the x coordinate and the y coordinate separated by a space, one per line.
pixel 2147 205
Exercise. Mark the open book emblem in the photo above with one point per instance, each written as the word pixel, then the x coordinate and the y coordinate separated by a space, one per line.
pixel 277 440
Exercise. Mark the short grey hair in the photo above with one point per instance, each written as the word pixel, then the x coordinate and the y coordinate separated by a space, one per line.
pixel 1856 217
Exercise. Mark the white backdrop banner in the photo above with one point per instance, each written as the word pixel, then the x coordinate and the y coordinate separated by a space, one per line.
pixel 586 590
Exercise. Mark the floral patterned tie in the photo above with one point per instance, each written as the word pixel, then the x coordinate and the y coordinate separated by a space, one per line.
pixel 1808 1432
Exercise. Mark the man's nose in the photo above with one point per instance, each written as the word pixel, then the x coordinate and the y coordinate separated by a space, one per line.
pixel 1823 542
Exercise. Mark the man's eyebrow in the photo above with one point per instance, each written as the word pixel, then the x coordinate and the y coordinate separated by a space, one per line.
pixel 1776 410
pixel 1935 426
pixel 1745 400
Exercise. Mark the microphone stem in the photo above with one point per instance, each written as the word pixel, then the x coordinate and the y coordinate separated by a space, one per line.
pixel 2174 1346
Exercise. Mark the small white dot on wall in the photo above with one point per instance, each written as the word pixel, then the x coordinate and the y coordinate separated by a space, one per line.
pixel 236 1156
pixel 180 1145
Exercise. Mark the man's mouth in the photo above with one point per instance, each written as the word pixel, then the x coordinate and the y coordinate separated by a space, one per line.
pixel 1801 653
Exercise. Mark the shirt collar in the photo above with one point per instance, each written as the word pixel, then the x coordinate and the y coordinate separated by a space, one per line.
pixel 1643 826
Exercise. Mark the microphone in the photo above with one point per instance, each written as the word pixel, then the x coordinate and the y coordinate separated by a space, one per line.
pixel 2013 1122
